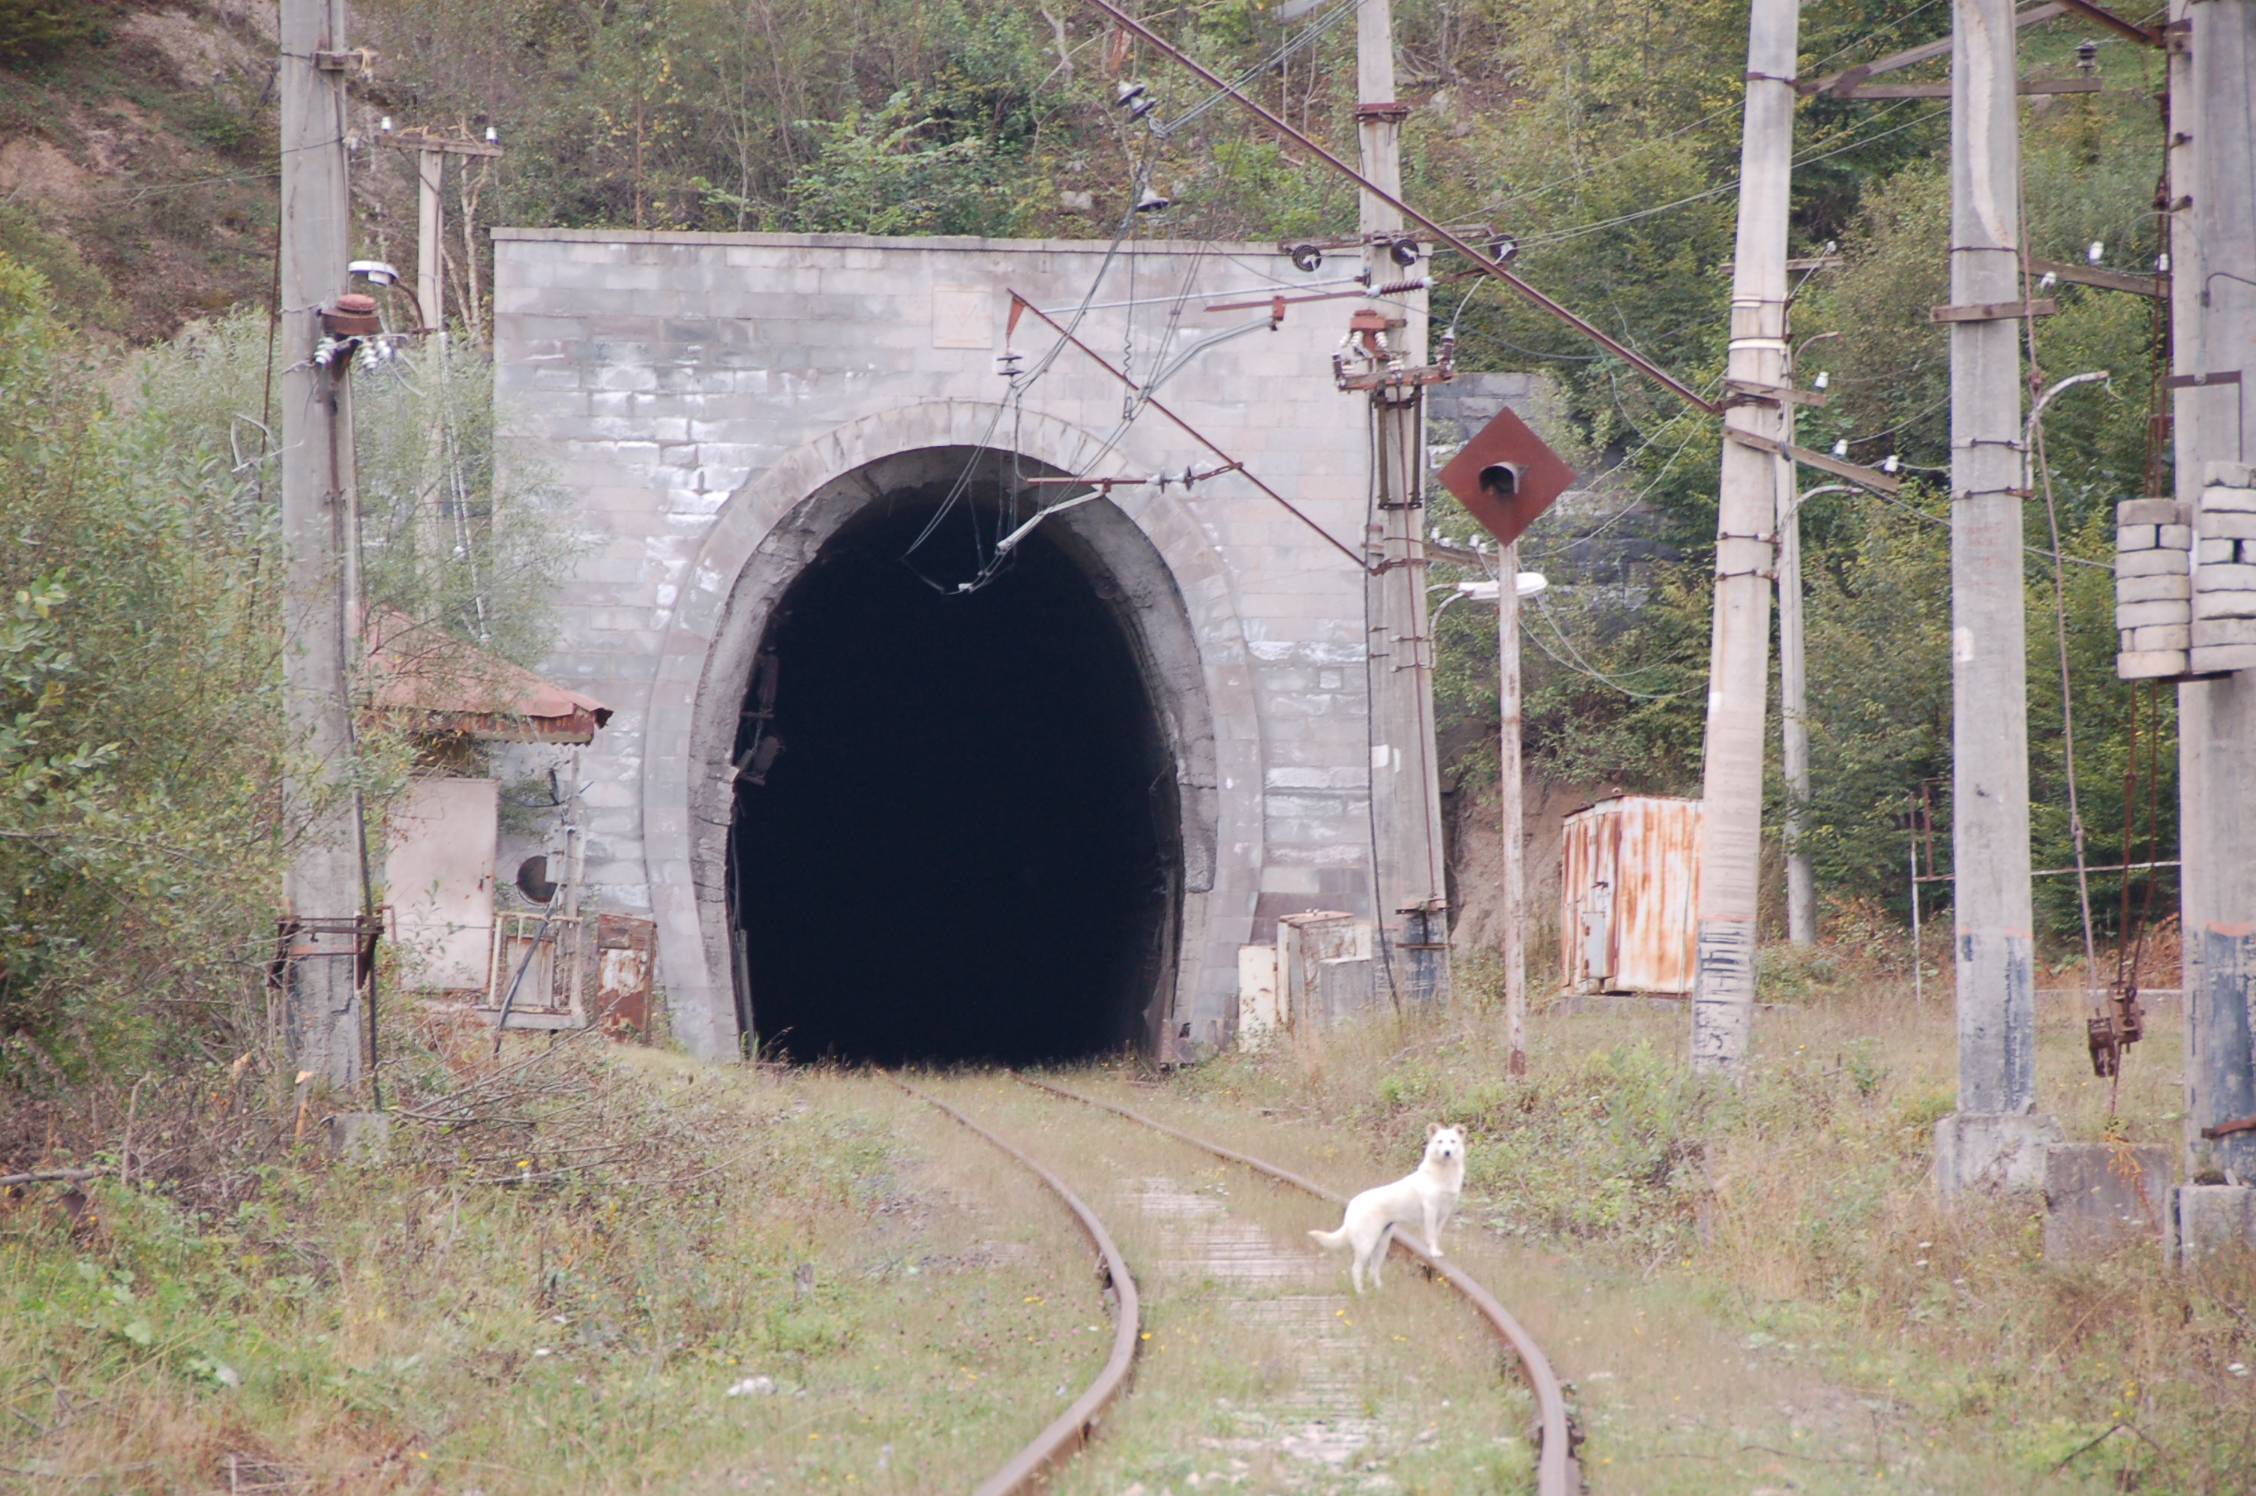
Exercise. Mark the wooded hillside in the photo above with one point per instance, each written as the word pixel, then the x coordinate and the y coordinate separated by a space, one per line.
pixel 136 161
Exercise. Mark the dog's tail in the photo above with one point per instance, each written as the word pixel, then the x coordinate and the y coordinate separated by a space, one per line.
pixel 1331 1240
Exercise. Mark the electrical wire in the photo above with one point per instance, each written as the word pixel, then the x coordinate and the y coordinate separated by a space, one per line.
pixel 1564 235
pixel 1306 38
pixel 1575 176
pixel 1581 666
pixel 1371 580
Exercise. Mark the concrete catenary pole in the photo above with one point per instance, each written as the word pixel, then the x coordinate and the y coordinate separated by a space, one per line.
pixel 1723 999
pixel 1511 786
pixel 322 890
pixel 1793 690
pixel 2212 247
pixel 430 232
pixel 1793 714
pixel 1993 1140
pixel 1411 903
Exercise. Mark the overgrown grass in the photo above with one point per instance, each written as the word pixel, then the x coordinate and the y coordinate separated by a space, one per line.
pixel 1747 1286
pixel 1795 1218
pixel 555 1289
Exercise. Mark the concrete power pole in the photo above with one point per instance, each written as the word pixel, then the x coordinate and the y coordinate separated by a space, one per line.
pixel 1993 1140
pixel 322 891
pixel 430 234
pixel 2212 250
pixel 1793 683
pixel 1723 999
pixel 1410 900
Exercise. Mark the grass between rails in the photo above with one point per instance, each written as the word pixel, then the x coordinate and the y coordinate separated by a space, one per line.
pixel 1259 1372
pixel 1756 1287
pixel 896 1304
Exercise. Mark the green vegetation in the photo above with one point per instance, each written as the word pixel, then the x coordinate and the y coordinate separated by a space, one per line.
pixel 249 1310
pixel 34 30
pixel 1605 139
pixel 141 735
pixel 1756 1286
pixel 580 1269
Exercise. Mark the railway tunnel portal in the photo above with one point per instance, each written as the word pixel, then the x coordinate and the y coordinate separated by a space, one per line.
pixel 959 825
pixel 876 817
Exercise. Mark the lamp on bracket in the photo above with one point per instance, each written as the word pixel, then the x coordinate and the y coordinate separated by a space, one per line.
pixel 380 273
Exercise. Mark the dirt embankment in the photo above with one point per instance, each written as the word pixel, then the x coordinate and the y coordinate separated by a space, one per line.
pixel 1476 868
pixel 137 167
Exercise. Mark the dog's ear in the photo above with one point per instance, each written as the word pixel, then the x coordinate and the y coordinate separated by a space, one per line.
pixel 1432 1128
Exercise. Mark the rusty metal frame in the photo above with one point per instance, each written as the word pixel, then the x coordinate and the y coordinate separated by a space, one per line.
pixel 566 938
pixel 1069 1433
pixel 1441 234
pixel 1019 303
pixel 1557 1472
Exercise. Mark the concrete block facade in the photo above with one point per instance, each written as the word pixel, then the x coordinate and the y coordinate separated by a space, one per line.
pixel 717 404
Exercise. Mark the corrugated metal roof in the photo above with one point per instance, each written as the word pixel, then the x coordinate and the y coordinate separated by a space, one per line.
pixel 451 685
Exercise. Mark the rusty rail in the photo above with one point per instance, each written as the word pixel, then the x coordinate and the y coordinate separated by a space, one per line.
pixel 1070 1431
pixel 1557 1473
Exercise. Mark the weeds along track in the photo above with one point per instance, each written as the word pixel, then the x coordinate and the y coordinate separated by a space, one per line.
pixel 1324 1393
pixel 1070 1430
pixel 1557 1471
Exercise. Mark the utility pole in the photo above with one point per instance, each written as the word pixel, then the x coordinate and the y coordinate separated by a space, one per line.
pixel 1511 782
pixel 1410 900
pixel 1994 1139
pixel 2212 248
pixel 1723 999
pixel 431 150
pixel 430 231
pixel 323 888
pixel 1793 679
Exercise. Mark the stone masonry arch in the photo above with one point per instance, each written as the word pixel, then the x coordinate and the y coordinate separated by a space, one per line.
pixel 703 402
pixel 1148 558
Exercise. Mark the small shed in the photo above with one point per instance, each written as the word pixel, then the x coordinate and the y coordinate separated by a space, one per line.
pixel 1629 886
pixel 443 835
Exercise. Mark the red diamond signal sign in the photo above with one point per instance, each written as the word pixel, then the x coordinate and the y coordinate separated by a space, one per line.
pixel 1506 477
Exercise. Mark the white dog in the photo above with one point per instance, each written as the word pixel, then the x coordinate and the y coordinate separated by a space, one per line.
pixel 1426 1197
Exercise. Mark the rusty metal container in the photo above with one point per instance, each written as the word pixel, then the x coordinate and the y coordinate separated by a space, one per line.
pixel 626 965
pixel 1629 880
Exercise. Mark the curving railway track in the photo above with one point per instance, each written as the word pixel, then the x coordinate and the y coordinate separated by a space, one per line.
pixel 1556 1469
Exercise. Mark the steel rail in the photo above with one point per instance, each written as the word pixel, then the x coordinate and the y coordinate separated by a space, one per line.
pixel 1483 262
pixel 1070 1431
pixel 1557 1473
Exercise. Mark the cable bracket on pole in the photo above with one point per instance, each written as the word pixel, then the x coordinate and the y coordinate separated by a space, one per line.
pixel 1994 311
pixel 1872 478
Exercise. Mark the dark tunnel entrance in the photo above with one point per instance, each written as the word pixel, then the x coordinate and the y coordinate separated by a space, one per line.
pixel 956 832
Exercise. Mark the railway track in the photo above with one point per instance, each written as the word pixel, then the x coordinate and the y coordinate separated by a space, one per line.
pixel 1070 1430
pixel 1557 1471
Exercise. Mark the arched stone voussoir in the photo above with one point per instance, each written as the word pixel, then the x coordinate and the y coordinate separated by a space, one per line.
pixel 1186 625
